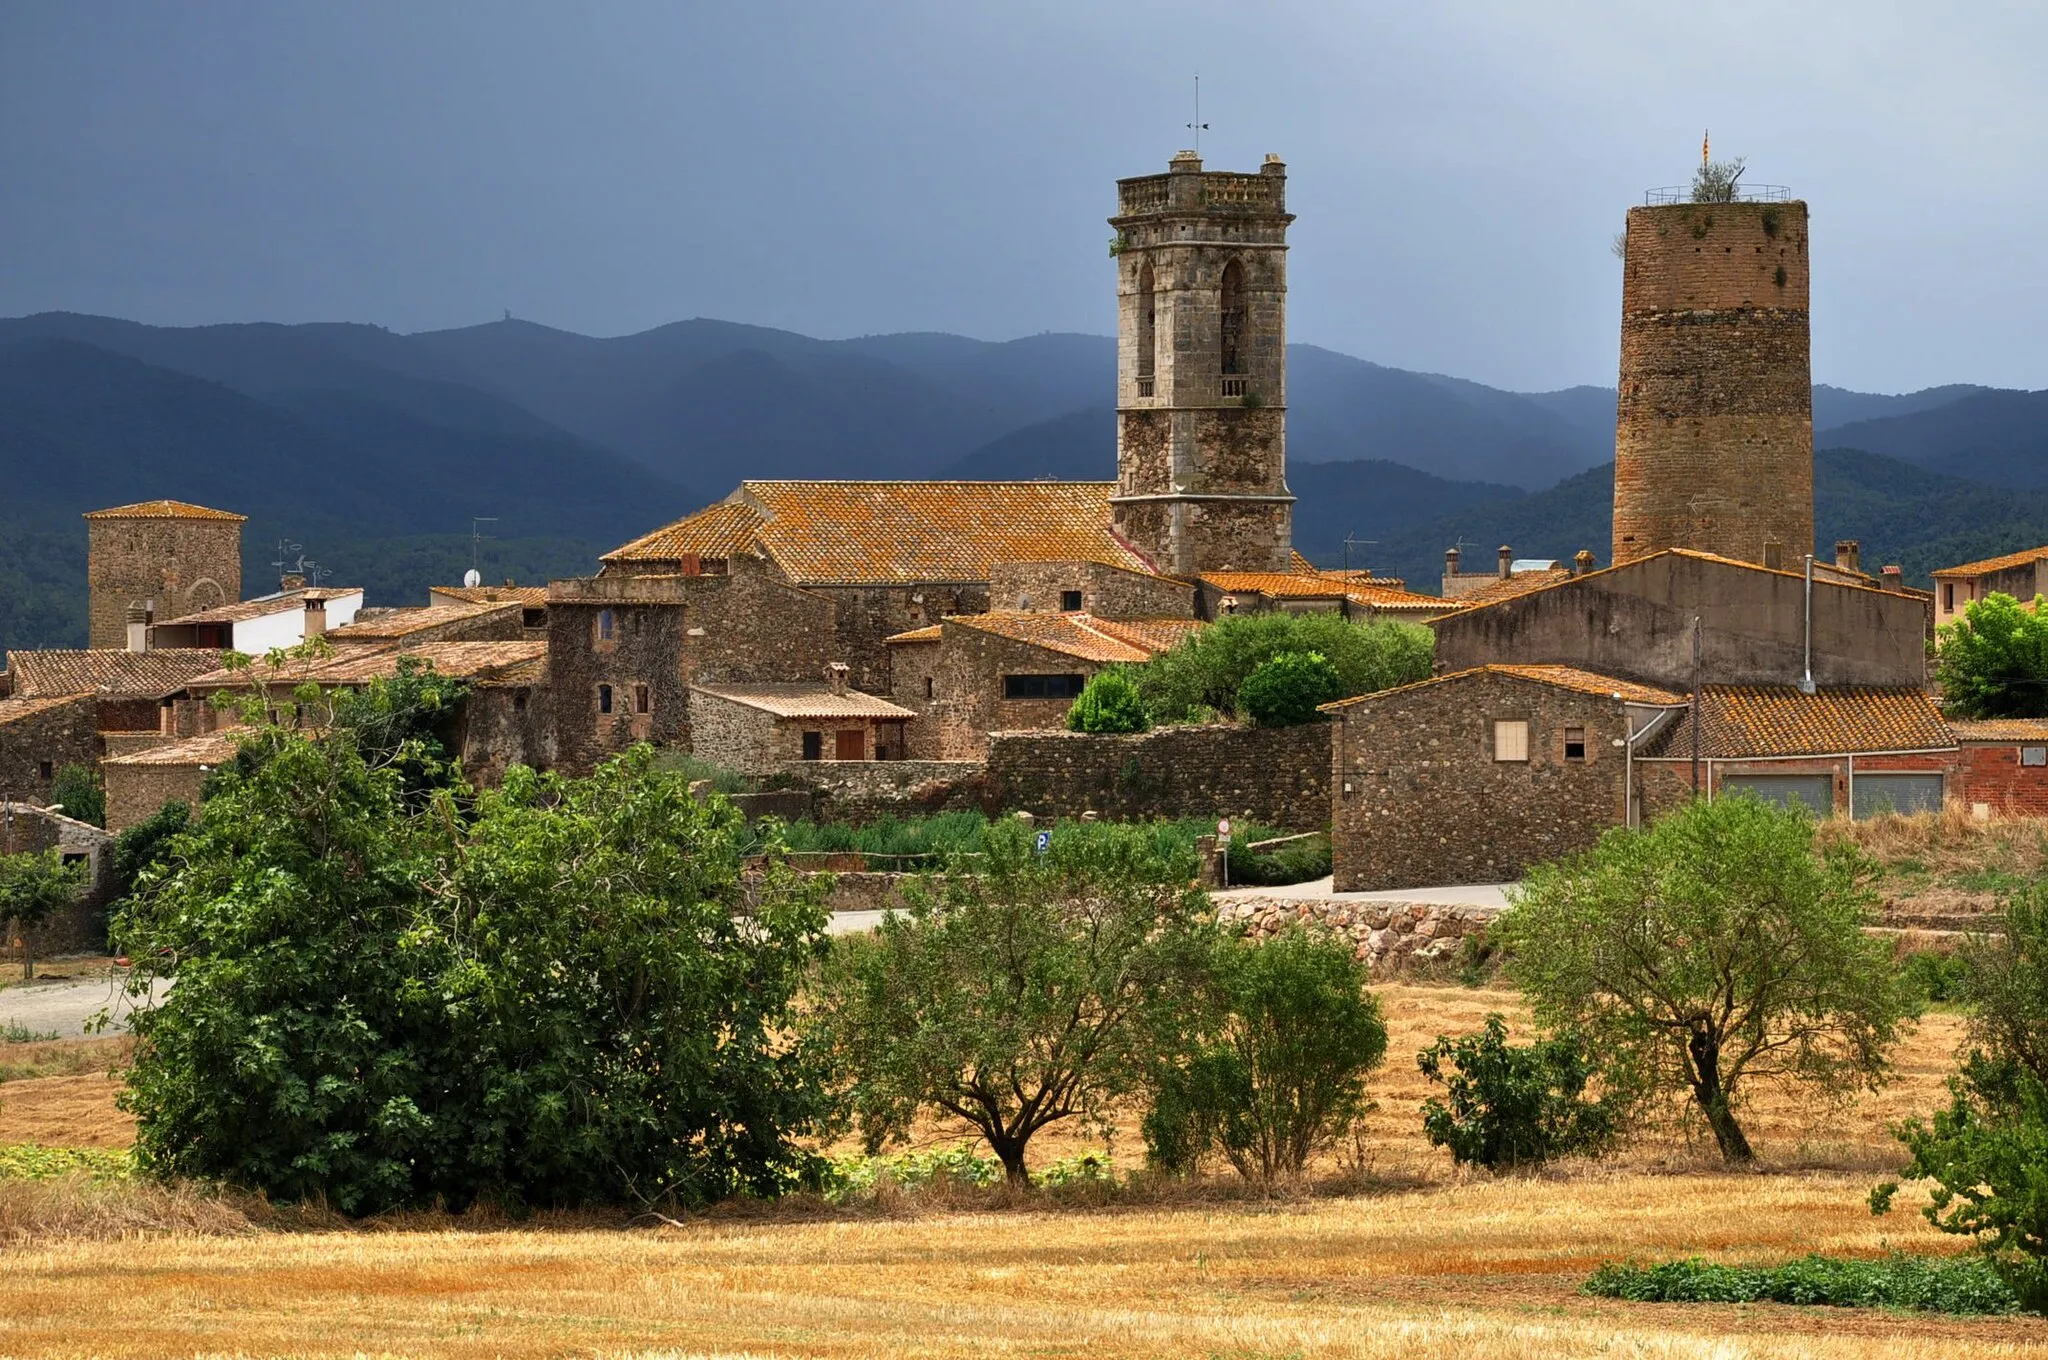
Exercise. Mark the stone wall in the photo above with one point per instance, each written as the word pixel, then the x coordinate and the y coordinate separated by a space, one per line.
pixel 1107 592
pixel 183 565
pixel 1714 438
pixel 1391 938
pixel 135 792
pixel 1278 777
pixel 1635 622
pixel 78 927
pixel 858 792
pixel 1423 801
pixel 865 616
pixel 955 686
pixel 39 737
pixel 506 725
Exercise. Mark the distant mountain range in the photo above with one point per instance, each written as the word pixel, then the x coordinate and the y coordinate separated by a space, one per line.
pixel 376 450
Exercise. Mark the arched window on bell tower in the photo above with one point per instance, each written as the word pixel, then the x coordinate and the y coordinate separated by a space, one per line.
pixel 1231 312
pixel 1147 329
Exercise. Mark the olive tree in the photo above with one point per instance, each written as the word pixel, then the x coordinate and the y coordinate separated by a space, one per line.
pixel 1713 948
pixel 34 886
pixel 1014 996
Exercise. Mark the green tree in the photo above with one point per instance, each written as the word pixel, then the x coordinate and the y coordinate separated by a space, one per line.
pixel 34 886
pixel 145 846
pixel 1514 1104
pixel 1993 661
pixel 1987 1153
pixel 1015 997
pixel 1285 1032
pixel 1206 669
pixel 1286 690
pixel 78 790
pixel 1108 703
pixel 1717 181
pixel 1714 947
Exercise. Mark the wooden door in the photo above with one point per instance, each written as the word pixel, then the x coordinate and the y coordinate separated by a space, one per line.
pixel 851 743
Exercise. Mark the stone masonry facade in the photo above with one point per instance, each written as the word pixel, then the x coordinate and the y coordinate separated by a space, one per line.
pixel 1105 591
pixel 956 687
pixel 1275 776
pixel 181 564
pixel 1714 438
pixel 39 737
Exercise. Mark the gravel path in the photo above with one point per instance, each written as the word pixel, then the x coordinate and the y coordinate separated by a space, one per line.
pixel 62 1006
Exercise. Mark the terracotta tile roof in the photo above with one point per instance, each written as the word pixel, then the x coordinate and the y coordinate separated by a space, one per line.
pixel 1560 677
pixel 1156 635
pixel 519 675
pixel 931 633
pixel 1991 564
pixel 533 597
pixel 263 606
pixel 811 700
pixel 405 622
pixel 1520 584
pixel 1363 576
pixel 1377 593
pixel 1999 729
pixel 109 672
pixel 1078 635
pixel 211 748
pixel 14 710
pixel 1396 597
pixel 897 532
pixel 1562 577
pixel 1739 721
pixel 360 663
pixel 164 510
pixel 722 530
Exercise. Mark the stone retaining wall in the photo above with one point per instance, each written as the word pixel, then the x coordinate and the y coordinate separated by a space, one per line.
pixel 860 791
pixel 1276 776
pixel 1392 938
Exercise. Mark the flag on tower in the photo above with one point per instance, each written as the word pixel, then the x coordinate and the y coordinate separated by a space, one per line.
pixel 1703 147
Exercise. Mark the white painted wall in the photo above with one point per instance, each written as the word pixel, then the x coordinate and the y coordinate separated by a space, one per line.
pixel 287 627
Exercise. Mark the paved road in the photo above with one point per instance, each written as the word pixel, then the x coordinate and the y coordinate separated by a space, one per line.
pixel 62 1006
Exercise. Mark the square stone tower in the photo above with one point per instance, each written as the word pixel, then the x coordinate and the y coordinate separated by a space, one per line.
pixel 174 557
pixel 1713 444
pixel 1201 439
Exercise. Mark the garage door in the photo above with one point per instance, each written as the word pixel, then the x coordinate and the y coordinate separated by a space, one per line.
pixel 1877 794
pixel 1814 792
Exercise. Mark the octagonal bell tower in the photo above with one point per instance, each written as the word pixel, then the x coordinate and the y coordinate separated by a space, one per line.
pixel 1202 368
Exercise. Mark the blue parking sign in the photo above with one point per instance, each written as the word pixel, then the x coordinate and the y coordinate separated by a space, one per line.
pixel 1044 841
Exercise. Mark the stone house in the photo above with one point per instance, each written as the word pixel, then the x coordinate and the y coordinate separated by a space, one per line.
pixel 461 621
pixel 112 701
pixel 40 736
pixel 27 829
pixel 140 783
pixel 167 558
pixel 532 601
pixel 759 728
pixel 1473 777
pixel 1102 589
pixel 2022 575
pixel 968 676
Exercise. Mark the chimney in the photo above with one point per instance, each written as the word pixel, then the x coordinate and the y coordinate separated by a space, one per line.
pixel 835 676
pixel 1451 556
pixel 316 616
pixel 1849 555
pixel 1507 561
pixel 138 627
pixel 1894 577
pixel 1582 562
pixel 292 580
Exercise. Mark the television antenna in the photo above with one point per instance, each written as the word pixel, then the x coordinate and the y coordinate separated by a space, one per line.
pixel 1361 542
pixel 1198 127
pixel 476 539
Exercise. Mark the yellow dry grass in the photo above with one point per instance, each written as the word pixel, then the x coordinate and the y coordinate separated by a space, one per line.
pixel 1443 1264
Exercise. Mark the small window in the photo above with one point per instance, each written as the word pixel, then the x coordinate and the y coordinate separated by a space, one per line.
pixel 640 698
pixel 814 746
pixel 928 687
pixel 1774 556
pixel 1511 739
pixel 2034 755
pixel 604 698
pixel 1070 601
pixel 72 857
pixel 533 618
pixel 1575 743
pixel 43 770
pixel 1043 686
pixel 606 625
pixel 519 701
pixel 1948 597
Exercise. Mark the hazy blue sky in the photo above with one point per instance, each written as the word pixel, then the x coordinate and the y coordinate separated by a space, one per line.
pixel 840 168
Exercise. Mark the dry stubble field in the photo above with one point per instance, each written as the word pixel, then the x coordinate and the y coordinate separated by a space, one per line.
pixel 1419 1262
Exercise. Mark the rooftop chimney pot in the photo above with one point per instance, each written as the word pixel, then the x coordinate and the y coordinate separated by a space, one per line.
pixel 1507 561
pixel 138 627
pixel 835 676
pixel 1848 554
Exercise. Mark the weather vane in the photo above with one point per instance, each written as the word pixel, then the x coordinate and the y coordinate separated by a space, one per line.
pixel 1198 126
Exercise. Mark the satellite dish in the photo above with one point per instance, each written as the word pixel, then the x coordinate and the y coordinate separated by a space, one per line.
pixel 472 577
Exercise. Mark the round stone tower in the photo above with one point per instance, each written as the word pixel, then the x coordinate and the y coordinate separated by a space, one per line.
pixel 1201 437
pixel 1713 444
pixel 168 556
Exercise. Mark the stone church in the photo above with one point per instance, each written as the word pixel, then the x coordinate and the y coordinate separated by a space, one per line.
pixel 784 580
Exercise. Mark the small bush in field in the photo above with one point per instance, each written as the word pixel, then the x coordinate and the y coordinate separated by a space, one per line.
pixel 1513 1104
pixel 1963 1285
pixel 1286 690
pixel 1109 703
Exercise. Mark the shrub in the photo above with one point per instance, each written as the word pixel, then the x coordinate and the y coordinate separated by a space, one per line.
pixel 1935 976
pixel 80 792
pixel 34 886
pixel 1017 997
pixel 1514 1105
pixel 1108 703
pixel 1277 1070
pixel 1987 1153
pixel 1717 181
pixel 1897 1281
pixel 1286 690
pixel 1714 946
pixel 1993 661
pixel 1205 670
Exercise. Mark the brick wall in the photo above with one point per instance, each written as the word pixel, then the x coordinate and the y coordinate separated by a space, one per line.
pixel 1279 777
pixel 1991 774
pixel 1423 802
pixel 46 739
pixel 1107 592
pixel 1714 438
pixel 183 565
